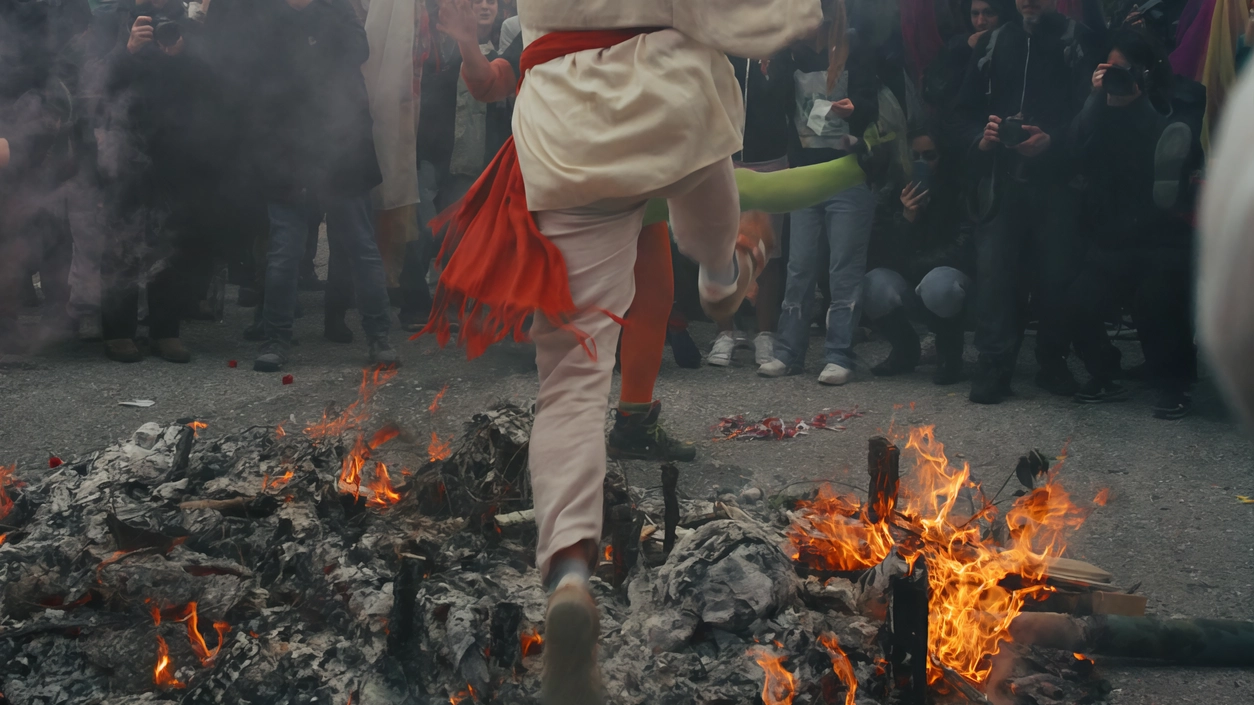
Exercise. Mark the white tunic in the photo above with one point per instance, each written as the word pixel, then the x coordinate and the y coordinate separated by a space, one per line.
pixel 637 117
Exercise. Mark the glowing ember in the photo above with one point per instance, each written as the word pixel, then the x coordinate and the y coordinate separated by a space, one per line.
pixel 435 403
pixel 202 650
pixel 6 481
pixel 197 427
pixel 268 484
pixel 163 673
pixel 357 412
pixel 382 494
pixel 438 449
pixel 279 432
pixel 531 643
pixel 1103 496
pixel 780 685
pixel 609 553
pixel 841 666
pixel 2 538
pixel 970 611
pixel 463 696
pixel 350 469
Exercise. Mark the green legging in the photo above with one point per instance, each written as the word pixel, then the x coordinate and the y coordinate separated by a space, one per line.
pixel 782 191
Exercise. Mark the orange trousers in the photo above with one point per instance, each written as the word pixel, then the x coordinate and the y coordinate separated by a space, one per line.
pixel 644 337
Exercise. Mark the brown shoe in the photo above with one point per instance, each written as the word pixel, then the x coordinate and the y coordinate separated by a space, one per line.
pixel 753 246
pixel 172 350
pixel 571 675
pixel 122 350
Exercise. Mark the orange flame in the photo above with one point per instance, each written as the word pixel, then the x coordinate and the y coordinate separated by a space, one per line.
pixel 970 611
pixel 268 484
pixel 7 480
pixel 163 673
pixel 279 432
pixel 841 666
pixel 609 553
pixel 197 427
pixel 780 685
pixel 381 490
pixel 530 643
pixel 357 412
pixel 1103 496
pixel 435 403
pixel 350 469
pixel 202 650
pixel 438 449
pixel 462 696
pixel 2 538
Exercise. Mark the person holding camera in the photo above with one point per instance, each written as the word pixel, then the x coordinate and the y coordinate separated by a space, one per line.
pixel 1025 83
pixel 1137 164
pixel 923 265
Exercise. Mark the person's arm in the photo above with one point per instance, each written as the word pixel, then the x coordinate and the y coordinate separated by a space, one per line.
pixel 4 152
pixel 483 77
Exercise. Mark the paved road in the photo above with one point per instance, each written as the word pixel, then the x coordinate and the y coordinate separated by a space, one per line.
pixel 1173 522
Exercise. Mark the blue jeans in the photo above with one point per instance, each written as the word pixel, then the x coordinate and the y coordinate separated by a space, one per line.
pixel 350 230
pixel 844 221
pixel 942 293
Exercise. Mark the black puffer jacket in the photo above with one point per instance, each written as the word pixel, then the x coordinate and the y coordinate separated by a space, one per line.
pixel 939 237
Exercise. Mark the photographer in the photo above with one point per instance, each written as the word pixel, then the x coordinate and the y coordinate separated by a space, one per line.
pixel 923 267
pixel 1137 165
pixel 1025 83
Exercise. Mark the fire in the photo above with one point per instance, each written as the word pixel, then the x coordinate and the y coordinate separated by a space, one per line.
pixel 202 650
pixel 970 611
pixel 780 685
pixel 197 427
pixel 530 643
pixel 163 673
pixel 438 449
pixel 609 553
pixel 268 484
pixel 350 469
pixel 462 696
pixel 381 490
pixel 2 538
pixel 7 480
pixel 357 412
pixel 279 432
pixel 841 666
pixel 435 403
pixel 1103 496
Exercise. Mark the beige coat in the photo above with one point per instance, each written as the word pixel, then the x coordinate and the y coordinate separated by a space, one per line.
pixel 639 116
pixel 389 74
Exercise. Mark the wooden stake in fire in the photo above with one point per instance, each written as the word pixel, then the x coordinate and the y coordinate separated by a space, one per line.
pixel 882 465
pixel 670 495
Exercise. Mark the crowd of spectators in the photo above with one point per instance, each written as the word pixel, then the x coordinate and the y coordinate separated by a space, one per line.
pixel 1048 157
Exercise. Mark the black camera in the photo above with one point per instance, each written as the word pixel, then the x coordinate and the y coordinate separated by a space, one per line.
pixel 1011 132
pixel 1119 82
pixel 167 32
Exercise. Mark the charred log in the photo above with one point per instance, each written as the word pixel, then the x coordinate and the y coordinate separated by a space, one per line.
pixel 883 459
pixel 1187 642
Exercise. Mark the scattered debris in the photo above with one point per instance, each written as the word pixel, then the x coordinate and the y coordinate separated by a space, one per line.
pixel 138 403
pixel 287 379
pixel 774 428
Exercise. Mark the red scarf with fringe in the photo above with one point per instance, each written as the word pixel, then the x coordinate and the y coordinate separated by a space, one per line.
pixel 498 267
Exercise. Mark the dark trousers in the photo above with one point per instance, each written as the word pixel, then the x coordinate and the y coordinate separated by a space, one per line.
pixel 1155 285
pixel 1028 249
pixel 144 246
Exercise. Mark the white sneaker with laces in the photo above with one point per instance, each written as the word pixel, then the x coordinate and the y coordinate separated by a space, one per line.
pixel 764 347
pixel 834 374
pixel 773 368
pixel 724 347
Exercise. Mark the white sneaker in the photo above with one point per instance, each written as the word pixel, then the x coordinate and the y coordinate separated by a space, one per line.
pixel 764 348
pixel 834 374
pixel 724 347
pixel 773 368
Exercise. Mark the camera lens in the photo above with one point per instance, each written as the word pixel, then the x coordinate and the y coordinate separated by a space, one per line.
pixel 167 33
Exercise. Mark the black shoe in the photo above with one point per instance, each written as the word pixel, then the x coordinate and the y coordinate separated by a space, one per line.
pixel 1170 155
pixel 248 297
pixel 949 347
pixel 335 329
pixel 949 372
pixel 989 386
pixel 685 350
pixel 904 356
pixel 1097 391
pixel 273 356
pixel 641 437
pixel 1055 378
pixel 1173 404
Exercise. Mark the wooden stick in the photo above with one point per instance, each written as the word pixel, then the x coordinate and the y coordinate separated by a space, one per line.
pixel 670 494
pixel 883 460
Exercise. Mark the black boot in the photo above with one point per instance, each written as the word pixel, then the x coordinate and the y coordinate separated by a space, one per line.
pixel 990 385
pixel 637 435
pixel 334 328
pixel 1055 378
pixel 949 345
pixel 904 356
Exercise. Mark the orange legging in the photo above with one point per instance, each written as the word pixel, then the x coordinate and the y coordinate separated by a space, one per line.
pixel 644 336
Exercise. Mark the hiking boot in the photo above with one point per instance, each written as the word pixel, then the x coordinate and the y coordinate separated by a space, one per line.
pixel 637 435
pixel 725 346
pixel 764 347
pixel 172 350
pixel 989 385
pixel 1172 151
pixel 684 348
pixel 1099 391
pixel 382 353
pixel 753 244
pixel 334 328
pixel 1055 378
pixel 949 366
pixel 1173 404
pixel 273 356
pixel 572 624
pixel 904 356
pixel 835 375
pixel 122 350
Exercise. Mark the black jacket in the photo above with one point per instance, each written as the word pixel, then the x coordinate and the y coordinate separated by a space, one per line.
pixel 768 108
pixel 863 90
pixel 1058 59
pixel 940 237
pixel 294 78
